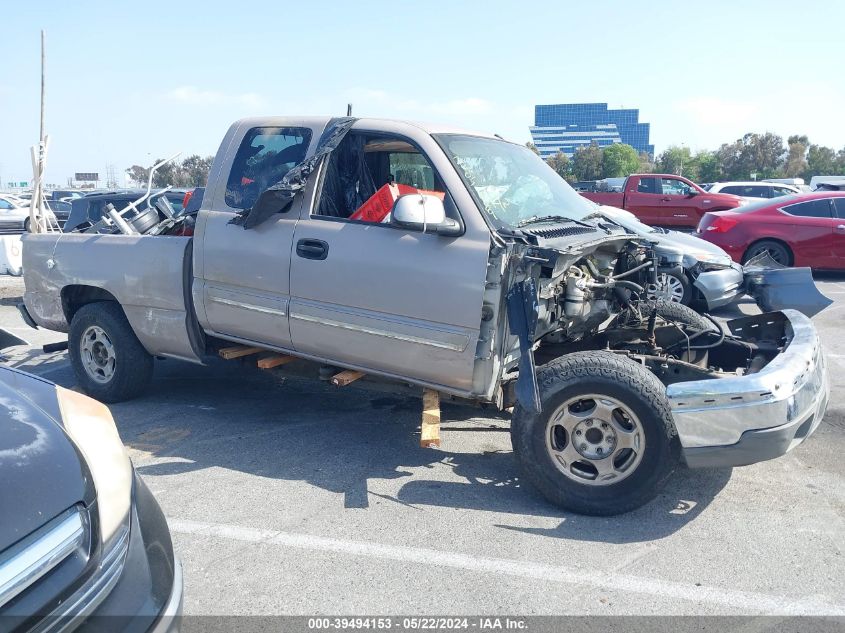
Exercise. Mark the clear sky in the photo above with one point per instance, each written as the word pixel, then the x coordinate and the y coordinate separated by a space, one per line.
pixel 126 85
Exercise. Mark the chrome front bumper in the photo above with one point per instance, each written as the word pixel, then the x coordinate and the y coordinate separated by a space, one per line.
pixel 747 419
pixel 721 287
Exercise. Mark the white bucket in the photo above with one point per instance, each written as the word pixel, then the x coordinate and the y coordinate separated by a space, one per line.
pixel 11 259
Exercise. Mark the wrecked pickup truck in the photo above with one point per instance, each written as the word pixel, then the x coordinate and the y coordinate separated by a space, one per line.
pixel 451 261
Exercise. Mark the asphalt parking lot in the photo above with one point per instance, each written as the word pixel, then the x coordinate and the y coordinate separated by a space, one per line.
pixel 294 497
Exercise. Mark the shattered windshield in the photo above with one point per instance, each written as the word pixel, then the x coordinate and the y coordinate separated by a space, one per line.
pixel 512 183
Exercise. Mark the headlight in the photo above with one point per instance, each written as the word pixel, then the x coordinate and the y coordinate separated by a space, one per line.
pixel 91 427
pixel 711 261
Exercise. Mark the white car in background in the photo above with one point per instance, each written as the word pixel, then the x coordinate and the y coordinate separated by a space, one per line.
pixel 754 190
pixel 14 215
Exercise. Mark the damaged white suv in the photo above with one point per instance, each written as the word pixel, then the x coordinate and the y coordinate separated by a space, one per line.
pixel 451 261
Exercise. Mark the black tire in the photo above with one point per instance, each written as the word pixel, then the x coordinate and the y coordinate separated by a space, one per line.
pixel 601 374
pixel 132 365
pixel 681 277
pixel 683 315
pixel 778 251
pixel 26 226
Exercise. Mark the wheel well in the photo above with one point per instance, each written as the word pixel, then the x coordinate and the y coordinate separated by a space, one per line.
pixel 777 241
pixel 76 296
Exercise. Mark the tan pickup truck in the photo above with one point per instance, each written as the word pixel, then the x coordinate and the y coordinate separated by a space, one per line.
pixel 488 280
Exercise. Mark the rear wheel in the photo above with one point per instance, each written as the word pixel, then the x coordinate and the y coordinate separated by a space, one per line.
pixel 605 442
pixel 108 359
pixel 778 251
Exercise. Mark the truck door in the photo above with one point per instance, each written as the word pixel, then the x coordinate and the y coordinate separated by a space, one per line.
pixel 679 206
pixel 374 296
pixel 642 198
pixel 242 278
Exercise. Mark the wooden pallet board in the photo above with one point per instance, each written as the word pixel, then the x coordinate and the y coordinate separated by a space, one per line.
pixel 274 361
pixel 238 351
pixel 430 426
pixel 345 377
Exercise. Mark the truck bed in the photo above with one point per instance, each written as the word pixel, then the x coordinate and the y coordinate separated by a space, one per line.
pixel 606 198
pixel 149 276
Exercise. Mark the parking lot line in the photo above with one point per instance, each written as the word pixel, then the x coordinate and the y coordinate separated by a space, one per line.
pixel 751 602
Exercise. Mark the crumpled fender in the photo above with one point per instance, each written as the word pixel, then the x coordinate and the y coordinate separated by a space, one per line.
pixel 523 311
pixel 776 287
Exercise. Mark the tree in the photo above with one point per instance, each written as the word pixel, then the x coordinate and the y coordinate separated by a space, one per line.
pixel 139 174
pixel 532 147
pixel 191 172
pixel 167 174
pixel 796 156
pixel 821 161
pixel 195 170
pixel 619 160
pixel 560 163
pixel 709 169
pixel 675 159
pixel 761 154
pixel 646 164
pixel 586 163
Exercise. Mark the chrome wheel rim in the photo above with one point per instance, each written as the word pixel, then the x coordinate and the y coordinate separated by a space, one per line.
pixel 595 440
pixel 97 353
pixel 668 288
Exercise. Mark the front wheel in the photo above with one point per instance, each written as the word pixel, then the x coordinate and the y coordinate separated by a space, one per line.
pixel 672 287
pixel 605 442
pixel 107 358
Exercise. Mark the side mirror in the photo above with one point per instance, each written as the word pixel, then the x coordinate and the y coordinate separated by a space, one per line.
pixel 422 212
pixel 692 192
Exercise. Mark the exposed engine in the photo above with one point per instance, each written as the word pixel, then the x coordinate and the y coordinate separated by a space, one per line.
pixel 595 297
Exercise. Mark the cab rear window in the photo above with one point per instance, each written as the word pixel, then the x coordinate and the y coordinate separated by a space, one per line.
pixel 266 154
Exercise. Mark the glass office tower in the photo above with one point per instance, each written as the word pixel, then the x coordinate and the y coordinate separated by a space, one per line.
pixel 565 127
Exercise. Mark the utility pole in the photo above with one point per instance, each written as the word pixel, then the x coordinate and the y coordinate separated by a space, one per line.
pixel 38 221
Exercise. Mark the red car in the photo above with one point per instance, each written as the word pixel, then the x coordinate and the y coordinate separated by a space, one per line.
pixel 801 230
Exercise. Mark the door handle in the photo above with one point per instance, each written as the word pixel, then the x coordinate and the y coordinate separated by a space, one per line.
pixel 312 249
pixel 665 199
pixel 841 228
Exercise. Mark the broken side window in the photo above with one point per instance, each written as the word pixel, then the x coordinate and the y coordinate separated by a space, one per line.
pixel 366 174
pixel 266 154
